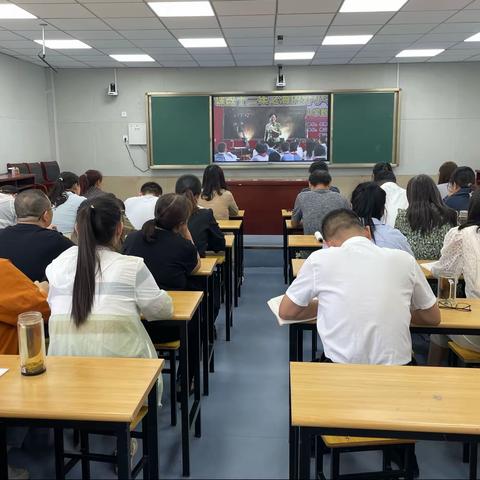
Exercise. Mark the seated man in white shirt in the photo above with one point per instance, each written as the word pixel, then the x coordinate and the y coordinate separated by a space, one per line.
pixel 7 208
pixel 396 195
pixel 364 296
pixel 142 208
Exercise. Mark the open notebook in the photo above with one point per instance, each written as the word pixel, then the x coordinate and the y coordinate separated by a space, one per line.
pixel 274 304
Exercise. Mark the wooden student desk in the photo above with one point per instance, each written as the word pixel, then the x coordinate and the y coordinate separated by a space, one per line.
pixel 235 227
pixel 288 229
pixel 21 180
pixel 425 403
pixel 239 216
pixel 300 242
pixel 206 273
pixel 92 394
pixel 186 308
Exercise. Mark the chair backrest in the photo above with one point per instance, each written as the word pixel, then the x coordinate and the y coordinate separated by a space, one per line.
pixel 51 171
pixel 36 169
pixel 22 167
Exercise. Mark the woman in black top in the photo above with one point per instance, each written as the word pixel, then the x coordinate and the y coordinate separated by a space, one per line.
pixel 166 244
pixel 167 248
pixel 205 231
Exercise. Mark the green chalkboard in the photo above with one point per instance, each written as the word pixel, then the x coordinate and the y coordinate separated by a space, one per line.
pixel 179 130
pixel 364 127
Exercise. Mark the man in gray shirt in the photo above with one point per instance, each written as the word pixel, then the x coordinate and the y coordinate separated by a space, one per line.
pixel 312 205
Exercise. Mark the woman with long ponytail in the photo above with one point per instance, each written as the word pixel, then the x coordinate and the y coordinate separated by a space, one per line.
pixel 205 231
pixel 66 199
pixel 96 294
pixel 91 184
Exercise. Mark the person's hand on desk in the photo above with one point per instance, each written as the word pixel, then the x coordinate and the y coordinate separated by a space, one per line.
pixel 428 316
pixel 289 310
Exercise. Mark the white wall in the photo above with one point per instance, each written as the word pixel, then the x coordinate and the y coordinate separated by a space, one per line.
pixel 440 110
pixel 25 122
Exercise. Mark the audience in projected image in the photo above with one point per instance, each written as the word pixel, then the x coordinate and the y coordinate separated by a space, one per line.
pixel 291 150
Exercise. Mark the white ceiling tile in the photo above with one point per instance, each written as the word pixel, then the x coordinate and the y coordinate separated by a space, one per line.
pixel 301 32
pixel 331 61
pixel 179 63
pixel 226 63
pixel 308 6
pixel 382 39
pixel 134 23
pixel 197 33
pixel 476 58
pixel 20 25
pixel 408 60
pixel 465 16
pixel 101 44
pixel 256 56
pixel 474 5
pixel 467 28
pixel 142 65
pixel 353 29
pixel 123 50
pixel 245 7
pixel 403 29
pixel 240 42
pixel 121 10
pixel 251 62
pixel 367 60
pixel 247 21
pixel 251 49
pixel 454 54
pixel 152 42
pixel 304 20
pixel 165 50
pixel 444 37
pixel 87 2
pixel 375 18
pixel 169 58
pixel 36 33
pixel 107 62
pixel 97 35
pixel 6 35
pixel 210 53
pixel 190 22
pixel 248 32
pixel 422 43
pixel 466 46
pixel 424 5
pixel 77 24
pixel 379 51
pixel 14 44
pixel 340 52
pixel 57 10
pixel 317 41
pixel 442 60
pixel 146 34
pixel 420 17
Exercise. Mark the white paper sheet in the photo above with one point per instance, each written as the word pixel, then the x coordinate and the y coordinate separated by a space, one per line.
pixel 274 304
pixel 3 370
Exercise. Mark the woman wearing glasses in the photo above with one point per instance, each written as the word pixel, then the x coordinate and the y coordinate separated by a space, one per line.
pixel 460 256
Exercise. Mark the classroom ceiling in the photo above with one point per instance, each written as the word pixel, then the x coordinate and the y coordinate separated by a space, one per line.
pixel 250 28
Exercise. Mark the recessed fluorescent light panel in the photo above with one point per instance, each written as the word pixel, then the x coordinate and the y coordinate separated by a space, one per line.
pixel 132 58
pixel 473 38
pixel 10 11
pixel 203 42
pixel 294 55
pixel 372 5
pixel 346 39
pixel 63 44
pixel 420 52
pixel 182 9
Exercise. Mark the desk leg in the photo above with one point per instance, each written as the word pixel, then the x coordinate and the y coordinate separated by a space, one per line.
pixel 3 451
pixel 299 345
pixel 211 307
pixel 228 293
pixel 151 435
pixel 205 335
pixel 304 453
pixel 123 452
pixel 285 251
pixel 197 376
pixel 236 270
pixel 184 391
pixel 59 450
pixel 242 273
pixel 473 460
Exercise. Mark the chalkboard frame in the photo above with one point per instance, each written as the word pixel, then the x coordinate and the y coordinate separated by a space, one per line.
pixel 276 165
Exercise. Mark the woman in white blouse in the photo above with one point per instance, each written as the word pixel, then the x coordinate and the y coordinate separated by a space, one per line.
pixel 460 256
pixel 96 294
pixel 66 199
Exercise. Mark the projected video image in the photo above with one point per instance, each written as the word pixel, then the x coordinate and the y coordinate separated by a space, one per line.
pixel 271 128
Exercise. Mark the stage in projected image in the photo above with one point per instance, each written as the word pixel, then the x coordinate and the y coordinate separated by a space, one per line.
pixel 271 128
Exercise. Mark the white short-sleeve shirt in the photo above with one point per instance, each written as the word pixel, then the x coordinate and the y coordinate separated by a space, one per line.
pixel 365 294
pixel 140 209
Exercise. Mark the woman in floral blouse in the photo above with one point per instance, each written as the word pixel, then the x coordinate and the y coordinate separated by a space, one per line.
pixel 427 220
